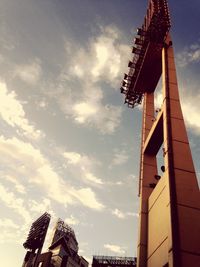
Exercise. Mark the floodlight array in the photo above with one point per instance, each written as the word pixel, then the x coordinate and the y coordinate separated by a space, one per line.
pixel 153 31
pixel 37 232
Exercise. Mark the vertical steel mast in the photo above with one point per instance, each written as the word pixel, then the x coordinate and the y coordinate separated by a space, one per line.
pixel 169 222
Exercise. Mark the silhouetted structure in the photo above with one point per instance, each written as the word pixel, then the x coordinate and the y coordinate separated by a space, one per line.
pixel 169 230
pixel 113 261
pixel 64 247
pixel 35 239
pixel 63 251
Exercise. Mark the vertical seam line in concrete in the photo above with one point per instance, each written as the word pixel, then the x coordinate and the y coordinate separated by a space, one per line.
pixel 172 185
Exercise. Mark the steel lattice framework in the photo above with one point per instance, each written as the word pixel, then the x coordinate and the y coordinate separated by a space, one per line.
pixel 106 261
pixel 147 52
pixel 37 232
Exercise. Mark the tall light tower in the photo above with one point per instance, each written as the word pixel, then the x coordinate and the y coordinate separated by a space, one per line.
pixel 169 223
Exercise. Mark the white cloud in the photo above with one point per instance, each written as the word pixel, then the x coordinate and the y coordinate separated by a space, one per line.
pixel 53 184
pixel 104 59
pixel 107 59
pixel 124 215
pixel 190 107
pixel 87 197
pixel 9 235
pixel 158 99
pixel 119 158
pixel 84 111
pixel 134 214
pixel 83 166
pixel 115 248
pixel 72 221
pixel 189 55
pixel 90 177
pixel 104 118
pixel 40 207
pixel 29 73
pixel 118 213
pixel 38 171
pixel 14 203
pixel 189 98
pixel 24 212
pixel 8 223
pixel 12 112
pixel 191 111
pixel 88 110
pixel 80 92
pixel 73 157
pixel 119 183
pixel 20 188
pixel 43 104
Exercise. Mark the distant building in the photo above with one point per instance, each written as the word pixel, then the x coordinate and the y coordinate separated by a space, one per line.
pixel 64 247
pixel 63 251
pixel 112 261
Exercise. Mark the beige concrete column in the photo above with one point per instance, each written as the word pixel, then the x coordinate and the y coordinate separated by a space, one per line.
pixel 184 196
pixel 148 168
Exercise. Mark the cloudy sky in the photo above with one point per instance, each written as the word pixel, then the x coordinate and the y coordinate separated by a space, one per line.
pixel 68 145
